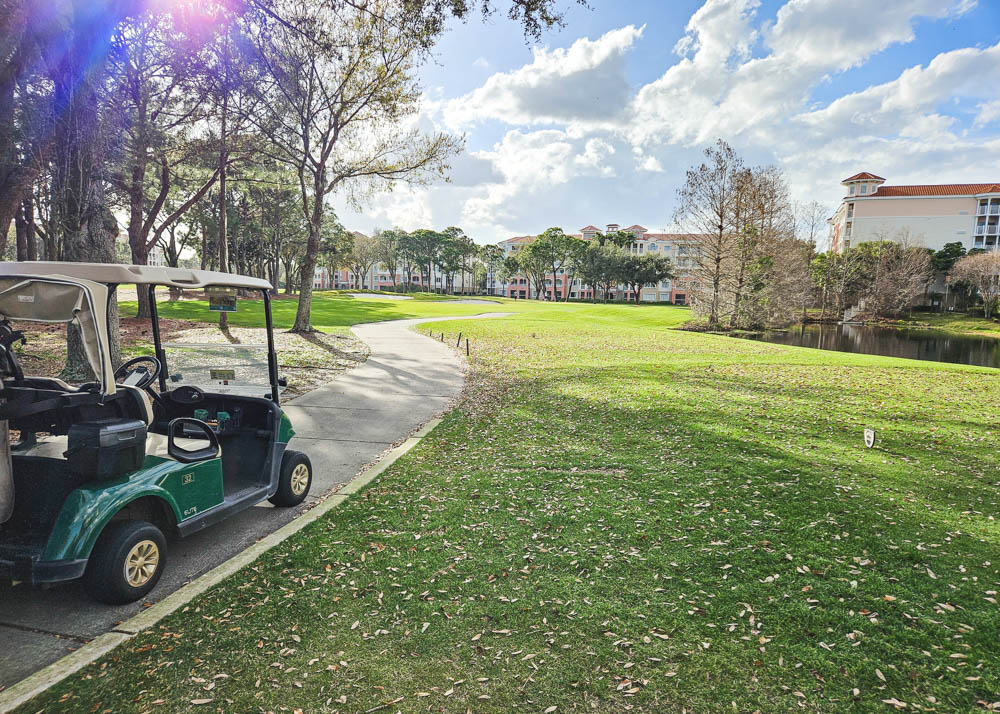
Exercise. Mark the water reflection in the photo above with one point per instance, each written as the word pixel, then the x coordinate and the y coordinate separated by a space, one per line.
pixel 935 345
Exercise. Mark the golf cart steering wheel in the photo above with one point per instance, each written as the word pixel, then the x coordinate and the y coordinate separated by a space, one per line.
pixel 134 375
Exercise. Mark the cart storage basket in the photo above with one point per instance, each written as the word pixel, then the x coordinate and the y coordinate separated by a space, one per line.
pixel 106 449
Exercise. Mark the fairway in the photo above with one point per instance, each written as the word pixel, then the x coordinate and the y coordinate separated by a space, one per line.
pixel 621 514
pixel 331 311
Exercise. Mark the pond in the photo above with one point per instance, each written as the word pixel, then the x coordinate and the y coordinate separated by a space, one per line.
pixel 915 343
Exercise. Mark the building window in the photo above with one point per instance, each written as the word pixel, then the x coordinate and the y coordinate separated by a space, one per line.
pixel 851 192
pixel 864 189
pixel 850 210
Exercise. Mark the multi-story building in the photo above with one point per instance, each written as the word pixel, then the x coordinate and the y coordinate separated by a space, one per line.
pixel 932 215
pixel 678 247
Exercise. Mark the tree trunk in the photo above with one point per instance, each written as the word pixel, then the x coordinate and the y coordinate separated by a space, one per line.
pixel 307 270
pixel 21 234
pixel 204 245
pixel 223 250
pixel 29 216
pixel 87 225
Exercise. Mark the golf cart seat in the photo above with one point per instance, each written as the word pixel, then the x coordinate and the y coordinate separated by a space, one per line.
pixel 141 406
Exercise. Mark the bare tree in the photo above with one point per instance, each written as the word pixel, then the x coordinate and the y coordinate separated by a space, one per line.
pixel 706 208
pixel 983 271
pixel 896 270
pixel 810 218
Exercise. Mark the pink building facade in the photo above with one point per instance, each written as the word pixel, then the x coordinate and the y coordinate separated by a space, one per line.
pixel 930 215
pixel 678 247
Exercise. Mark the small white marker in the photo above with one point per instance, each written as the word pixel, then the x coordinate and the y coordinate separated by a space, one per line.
pixel 869 438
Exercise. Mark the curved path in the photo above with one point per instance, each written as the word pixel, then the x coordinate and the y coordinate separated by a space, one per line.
pixel 407 380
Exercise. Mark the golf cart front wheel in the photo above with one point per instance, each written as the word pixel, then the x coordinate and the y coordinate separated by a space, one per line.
pixel 295 480
pixel 126 562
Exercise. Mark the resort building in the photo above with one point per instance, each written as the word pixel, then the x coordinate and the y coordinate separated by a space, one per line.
pixel 676 246
pixel 932 215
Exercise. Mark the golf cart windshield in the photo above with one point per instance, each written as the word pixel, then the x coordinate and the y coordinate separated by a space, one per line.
pixel 230 361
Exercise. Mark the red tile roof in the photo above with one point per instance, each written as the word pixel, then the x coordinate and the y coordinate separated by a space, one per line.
pixel 863 176
pixel 587 229
pixel 944 189
pixel 636 228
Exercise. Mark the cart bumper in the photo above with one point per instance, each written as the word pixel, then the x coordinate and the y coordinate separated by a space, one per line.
pixel 37 572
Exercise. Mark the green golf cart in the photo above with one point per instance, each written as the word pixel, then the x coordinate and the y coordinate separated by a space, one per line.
pixel 169 442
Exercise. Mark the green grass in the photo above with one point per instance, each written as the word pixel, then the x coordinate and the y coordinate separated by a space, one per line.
pixel 335 310
pixel 330 310
pixel 411 295
pixel 956 322
pixel 624 515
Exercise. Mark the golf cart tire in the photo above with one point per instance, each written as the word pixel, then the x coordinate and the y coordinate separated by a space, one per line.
pixel 287 494
pixel 105 578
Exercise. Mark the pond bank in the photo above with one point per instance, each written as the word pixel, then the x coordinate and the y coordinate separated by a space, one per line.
pixel 902 340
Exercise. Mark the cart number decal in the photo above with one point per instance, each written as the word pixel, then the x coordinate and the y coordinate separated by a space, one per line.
pixel 191 511
pixel 187 478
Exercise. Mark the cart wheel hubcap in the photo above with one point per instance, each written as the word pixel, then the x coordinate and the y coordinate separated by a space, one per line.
pixel 300 479
pixel 141 563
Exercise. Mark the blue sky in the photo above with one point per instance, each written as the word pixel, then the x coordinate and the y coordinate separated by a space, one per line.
pixel 598 121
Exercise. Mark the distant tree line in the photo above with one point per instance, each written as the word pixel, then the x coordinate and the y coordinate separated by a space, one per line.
pixel 412 258
pixel 887 276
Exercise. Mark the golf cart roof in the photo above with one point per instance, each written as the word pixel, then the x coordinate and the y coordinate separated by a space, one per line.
pixel 117 274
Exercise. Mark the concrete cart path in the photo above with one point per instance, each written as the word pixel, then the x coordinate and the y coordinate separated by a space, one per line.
pixel 407 380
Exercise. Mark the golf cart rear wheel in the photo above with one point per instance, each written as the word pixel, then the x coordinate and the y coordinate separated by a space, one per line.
pixel 295 480
pixel 126 563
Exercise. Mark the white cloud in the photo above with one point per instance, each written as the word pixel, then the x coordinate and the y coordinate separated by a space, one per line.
pixel 912 98
pixel 720 90
pixel 596 151
pixel 989 112
pixel 651 163
pixel 580 145
pixel 587 80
